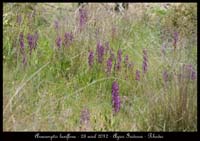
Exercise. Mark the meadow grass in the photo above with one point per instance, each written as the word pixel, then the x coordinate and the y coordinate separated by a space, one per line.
pixel 50 91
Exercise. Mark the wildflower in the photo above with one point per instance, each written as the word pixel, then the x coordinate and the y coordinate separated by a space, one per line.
pixel 21 40
pixel 144 61
pixel 175 39
pixel 126 60
pixel 115 97
pixel 100 52
pixel 82 17
pixel 112 55
pixel 22 49
pixel 59 42
pixel 165 76
pixel 68 39
pixel 137 75
pixel 109 65
pixel 130 65
pixel 193 74
pixel 91 58
pixel 189 72
pixel 30 39
pixel 85 117
pixel 56 25
pixel 119 59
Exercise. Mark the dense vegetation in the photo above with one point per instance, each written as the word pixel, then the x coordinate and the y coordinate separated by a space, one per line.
pixel 69 69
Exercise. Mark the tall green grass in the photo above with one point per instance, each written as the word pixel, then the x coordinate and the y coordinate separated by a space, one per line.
pixel 50 92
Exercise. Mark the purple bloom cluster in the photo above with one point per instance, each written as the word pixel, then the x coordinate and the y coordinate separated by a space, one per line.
pixel 130 65
pixel 22 49
pixel 126 60
pixel 144 66
pixel 165 76
pixel 21 40
pixel 68 39
pixel 119 59
pixel 175 39
pixel 82 17
pixel 56 25
pixel 112 55
pixel 137 75
pixel 189 72
pixel 115 97
pixel 100 52
pixel 109 65
pixel 85 117
pixel 59 42
pixel 32 41
pixel 91 58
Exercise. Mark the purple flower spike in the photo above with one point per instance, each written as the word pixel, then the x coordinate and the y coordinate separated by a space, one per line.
pixel 189 72
pixel 109 65
pixel 131 65
pixel 165 76
pixel 119 59
pixel 68 39
pixel 126 60
pixel 144 66
pixel 30 39
pixel 91 58
pixel 59 42
pixel 137 75
pixel 100 52
pixel 56 25
pixel 112 55
pixel 117 66
pixel 21 40
pixel 115 97
pixel 175 39
pixel 22 49
pixel 82 17
pixel 193 75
